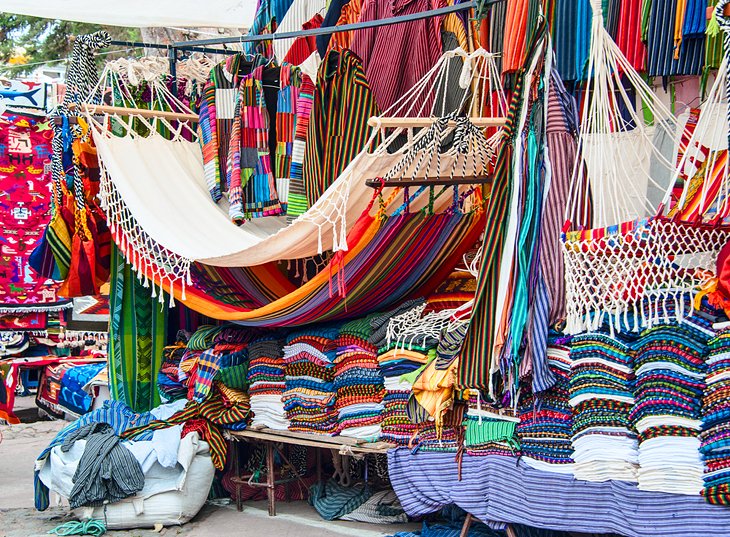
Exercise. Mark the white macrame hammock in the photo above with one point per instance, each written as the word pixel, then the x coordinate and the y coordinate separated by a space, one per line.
pixel 636 267
pixel 162 218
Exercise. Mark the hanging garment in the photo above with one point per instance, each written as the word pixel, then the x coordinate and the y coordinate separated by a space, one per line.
pixel 217 115
pixel 561 133
pixel 338 128
pixel 304 46
pixel 513 47
pixel 662 60
pixel 396 57
pixel 331 18
pixel 249 174
pixel 269 15
pixel 628 34
pixel 350 14
pixel 297 196
pixel 298 14
pixel 137 331
pixel 571 35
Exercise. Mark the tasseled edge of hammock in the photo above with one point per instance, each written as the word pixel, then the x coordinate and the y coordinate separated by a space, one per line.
pixel 413 328
pixel 36 308
pixel 148 259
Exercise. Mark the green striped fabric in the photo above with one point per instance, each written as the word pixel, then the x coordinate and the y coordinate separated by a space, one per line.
pixel 476 355
pixel 234 377
pixel 136 337
pixel 338 127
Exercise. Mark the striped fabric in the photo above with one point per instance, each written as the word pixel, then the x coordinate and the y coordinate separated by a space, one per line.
pixel 350 14
pixel 425 482
pixel 249 174
pixel 338 128
pixel 214 413
pixel 397 56
pixel 628 35
pixel 269 13
pixel 285 128
pixel 297 197
pixel 137 331
pixel 476 355
pixel 661 46
pixel 216 118
pixel 560 138
pixel 331 18
pixel 304 46
pixel 298 14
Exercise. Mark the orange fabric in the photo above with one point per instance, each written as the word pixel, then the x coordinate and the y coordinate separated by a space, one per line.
pixel 515 35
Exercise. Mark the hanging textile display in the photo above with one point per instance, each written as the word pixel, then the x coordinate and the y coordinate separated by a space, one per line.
pixel 480 357
pixel 338 128
pixel 75 246
pixel 25 205
pixel 137 331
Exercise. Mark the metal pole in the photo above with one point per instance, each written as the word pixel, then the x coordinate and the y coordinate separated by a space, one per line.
pixel 334 29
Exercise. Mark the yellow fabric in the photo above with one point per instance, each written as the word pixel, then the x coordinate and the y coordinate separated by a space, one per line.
pixel 434 391
pixel 404 354
pixel 678 24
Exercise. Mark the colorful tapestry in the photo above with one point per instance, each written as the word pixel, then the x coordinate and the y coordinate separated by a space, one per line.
pixel 24 321
pixel 25 197
pixel 136 338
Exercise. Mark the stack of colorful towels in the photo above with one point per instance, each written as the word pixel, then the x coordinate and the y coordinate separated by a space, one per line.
pixel 309 395
pixel 359 382
pixel 715 436
pixel 546 419
pixel 601 396
pixel 670 372
pixel 267 383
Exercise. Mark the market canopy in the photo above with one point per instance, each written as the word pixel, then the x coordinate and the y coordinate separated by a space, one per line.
pixel 140 13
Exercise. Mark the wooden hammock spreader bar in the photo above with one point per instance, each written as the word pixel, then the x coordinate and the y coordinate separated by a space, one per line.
pixel 414 122
pixel 141 112
pixel 430 181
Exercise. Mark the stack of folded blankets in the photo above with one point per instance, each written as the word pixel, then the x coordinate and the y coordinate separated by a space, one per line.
pixel 601 396
pixel 670 379
pixel 546 419
pixel 398 365
pixel 400 368
pixel 309 394
pixel 488 430
pixel 169 383
pixel 715 436
pixel 359 382
pixel 267 383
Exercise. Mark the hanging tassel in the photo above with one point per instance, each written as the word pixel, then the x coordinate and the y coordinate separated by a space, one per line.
pixel 713 27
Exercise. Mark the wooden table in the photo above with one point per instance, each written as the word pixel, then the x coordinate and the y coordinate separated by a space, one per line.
pixel 271 438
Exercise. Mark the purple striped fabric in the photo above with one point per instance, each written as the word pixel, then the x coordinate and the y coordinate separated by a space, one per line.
pixel 498 489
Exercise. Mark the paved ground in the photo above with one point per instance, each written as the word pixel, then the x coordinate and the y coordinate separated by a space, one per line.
pixel 20 445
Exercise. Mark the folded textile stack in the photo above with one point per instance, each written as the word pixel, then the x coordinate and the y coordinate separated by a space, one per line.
pixel 669 368
pixel 487 430
pixel 546 420
pixel 715 436
pixel 267 383
pixel 309 395
pixel 169 384
pixel 601 396
pixel 359 382
pixel 400 368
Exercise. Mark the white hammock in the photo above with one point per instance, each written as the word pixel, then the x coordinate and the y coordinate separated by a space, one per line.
pixel 642 270
pixel 160 212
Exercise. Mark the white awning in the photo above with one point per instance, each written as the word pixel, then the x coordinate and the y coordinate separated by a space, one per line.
pixel 139 13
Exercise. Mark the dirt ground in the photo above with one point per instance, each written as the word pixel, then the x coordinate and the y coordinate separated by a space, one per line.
pixel 21 444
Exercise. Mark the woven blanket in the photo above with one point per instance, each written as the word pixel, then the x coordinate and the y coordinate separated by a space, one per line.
pixel 25 204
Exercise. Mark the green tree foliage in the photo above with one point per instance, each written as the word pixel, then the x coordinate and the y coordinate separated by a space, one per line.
pixel 46 39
